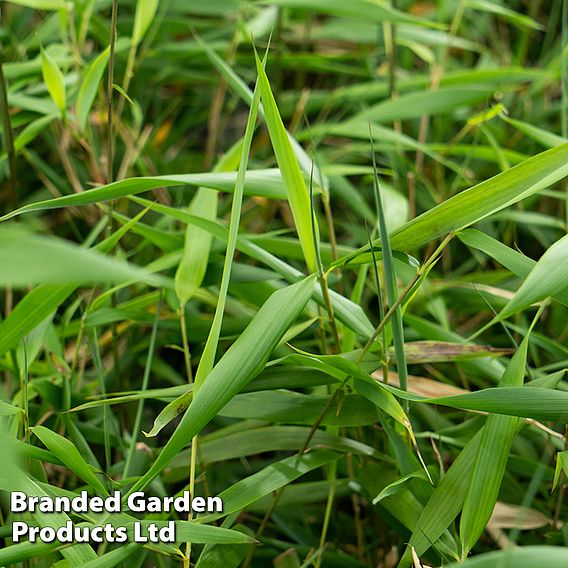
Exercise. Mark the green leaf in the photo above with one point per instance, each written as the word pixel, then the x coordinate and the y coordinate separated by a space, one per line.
pixel 32 130
pixel 89 87
pixel 444 504
pixel 145 12
pixel 495 8
pixel 23 551
pixel 489 468
pixel 264 183
pixel 561 466
pixel 207 360
pixel 195 259
pixel 238 366
pixel 114 557
pixel 346 311
pixel 511 259
pixel 518 557
pixel 42 301
pixel 526 402
pixel 228 556
pixel 26 258
pixel 70 456
pixel 53 78
pixel 276 475
pixel 296 190
pixel 41 4
pixel 396 486
pixel 8 409
pixel 366 10
pixel 484 199
pixel 548 278
pixel 12 478
pixel 543 137
pixel 423 103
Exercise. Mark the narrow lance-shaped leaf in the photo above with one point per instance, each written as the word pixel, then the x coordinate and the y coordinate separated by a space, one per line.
pixel 145 12
pixel 197 244
pixel 511 259
pixel 548 278
pixel 207 360
pixel 27 258
pixel 484 199
pixel 264 183
pixel 69 456
pixel 89 87
pixel 391 284
pixel 195 258
pixel 296 190
pixel 519 557
pixel 444 504
pixel 360 9
pixel 239 365
pixel 528 401
pixel 346 311
pixel 114 557
pixel 242 89
pixel 13 478
pixel 38 304
pixel 54 82
pixel 269 479
pixel 41 4
pixel 491 460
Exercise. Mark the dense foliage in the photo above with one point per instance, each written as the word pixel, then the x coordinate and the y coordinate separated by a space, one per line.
pixel 306 255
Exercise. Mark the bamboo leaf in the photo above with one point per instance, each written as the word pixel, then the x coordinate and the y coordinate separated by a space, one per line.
pixel 248 490
pixel 26 258
pixel 145 12
pixel 361 9
pixel 264 183
pixel 70 456
pixel 38 304
pixel 210 350
pixel 548 278
pixel 296 190
pixel 484 199
pixel 521 557
pixel 239 365
pixel 195 258
pixel 114 557
pixel 89 87
pixel 41 4
pixel 53 78
pixel 496 440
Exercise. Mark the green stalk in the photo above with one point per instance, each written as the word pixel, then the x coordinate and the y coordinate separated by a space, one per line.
pixel 564 85
pixel 8 134
pixel 110 90
pixel 145 381
pixel 391 284
pixel 332 482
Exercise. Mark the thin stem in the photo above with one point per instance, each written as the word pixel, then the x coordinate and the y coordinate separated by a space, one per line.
pixel 110 89
pixel 332 482
pixel 8 135
pixel 193 458
pixel 185 346
pixel 564 85
pixel 145 381
pixel 392 309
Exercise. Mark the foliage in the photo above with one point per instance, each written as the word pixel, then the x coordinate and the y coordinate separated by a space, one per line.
pixel 347 220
